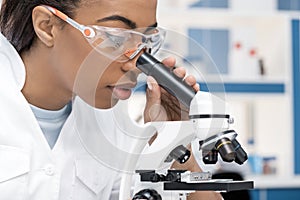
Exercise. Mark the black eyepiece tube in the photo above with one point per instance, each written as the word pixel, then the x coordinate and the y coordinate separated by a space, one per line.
pixel 166 78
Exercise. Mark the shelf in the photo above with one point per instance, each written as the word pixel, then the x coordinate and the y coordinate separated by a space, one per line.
pixel 234 87
pixel 272 181
pixel 210 12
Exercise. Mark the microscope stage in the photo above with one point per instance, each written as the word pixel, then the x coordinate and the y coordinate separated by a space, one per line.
pixel 222 185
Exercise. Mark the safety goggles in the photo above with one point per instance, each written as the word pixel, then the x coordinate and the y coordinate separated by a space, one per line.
pixel 117 43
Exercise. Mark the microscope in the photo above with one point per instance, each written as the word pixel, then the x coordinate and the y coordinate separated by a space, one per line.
pixel 208 124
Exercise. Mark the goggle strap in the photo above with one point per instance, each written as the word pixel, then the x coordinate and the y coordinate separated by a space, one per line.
pixel 56 12
pixel 86 31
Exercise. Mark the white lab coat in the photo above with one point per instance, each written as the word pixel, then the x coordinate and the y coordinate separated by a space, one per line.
pixel 29 169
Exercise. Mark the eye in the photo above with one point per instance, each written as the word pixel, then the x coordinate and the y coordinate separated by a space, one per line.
pixel 116 39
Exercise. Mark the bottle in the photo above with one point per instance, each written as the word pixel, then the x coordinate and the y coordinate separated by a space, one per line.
pixel 253 64
pixel 237 59
pixel 254 159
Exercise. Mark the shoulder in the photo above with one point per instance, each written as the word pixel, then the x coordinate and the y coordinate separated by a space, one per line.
pixel 11 62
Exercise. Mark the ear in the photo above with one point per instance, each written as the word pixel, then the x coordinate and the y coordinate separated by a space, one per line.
pixel 43 25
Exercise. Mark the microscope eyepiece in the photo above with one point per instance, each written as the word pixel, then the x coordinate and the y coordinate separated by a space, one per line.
pixel 166 78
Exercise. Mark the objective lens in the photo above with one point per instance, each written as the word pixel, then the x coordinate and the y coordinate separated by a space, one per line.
pixel 210 157
pixel 181 154
pixel 226 150
pixel 241 155
pixel 148 194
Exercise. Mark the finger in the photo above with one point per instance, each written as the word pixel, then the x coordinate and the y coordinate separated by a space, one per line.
pixel 191 80
pixel 196 87
pixel 153 91
pixel 180 72
pixel 153 109
pixel 169 62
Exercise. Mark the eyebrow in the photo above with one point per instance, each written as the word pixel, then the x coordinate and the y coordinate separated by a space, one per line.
pixel 153 26
pixel 126 21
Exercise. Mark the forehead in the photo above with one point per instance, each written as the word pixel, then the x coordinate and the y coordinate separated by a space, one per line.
pixel 141 12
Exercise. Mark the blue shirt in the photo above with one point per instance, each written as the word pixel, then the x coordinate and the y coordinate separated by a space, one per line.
pixel 51 121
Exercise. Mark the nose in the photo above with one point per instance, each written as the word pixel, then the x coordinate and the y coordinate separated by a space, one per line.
pixel 130 65
pixel 130 70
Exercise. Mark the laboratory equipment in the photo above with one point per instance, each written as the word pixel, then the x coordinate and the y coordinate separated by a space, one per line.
pixel 209 123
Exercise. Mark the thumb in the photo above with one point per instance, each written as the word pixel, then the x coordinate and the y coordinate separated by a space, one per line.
pixel 153 104
pixel 153 91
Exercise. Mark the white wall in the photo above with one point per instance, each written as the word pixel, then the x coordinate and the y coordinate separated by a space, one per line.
pixel 268 117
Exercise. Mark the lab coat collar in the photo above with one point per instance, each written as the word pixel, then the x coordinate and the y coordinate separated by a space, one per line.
pixel 17 65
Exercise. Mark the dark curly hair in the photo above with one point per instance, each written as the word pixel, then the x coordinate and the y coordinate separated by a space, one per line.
pixel 16 19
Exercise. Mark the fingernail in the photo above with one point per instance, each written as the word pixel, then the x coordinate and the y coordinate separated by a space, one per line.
pixel 150 81
pixel 149 85
pixel 197 87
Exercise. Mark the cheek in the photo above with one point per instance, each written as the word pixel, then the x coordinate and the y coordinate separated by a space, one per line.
pixel 92 81
pixel 70 52
pixel 84 71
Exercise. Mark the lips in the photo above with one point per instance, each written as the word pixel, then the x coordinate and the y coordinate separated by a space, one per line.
pixel 122 91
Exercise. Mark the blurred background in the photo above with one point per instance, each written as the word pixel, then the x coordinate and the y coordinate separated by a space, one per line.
pixel 255 47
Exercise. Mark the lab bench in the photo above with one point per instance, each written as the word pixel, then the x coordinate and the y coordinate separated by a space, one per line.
pixel 275 188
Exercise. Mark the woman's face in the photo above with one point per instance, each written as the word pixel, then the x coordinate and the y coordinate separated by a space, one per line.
pixel 98 80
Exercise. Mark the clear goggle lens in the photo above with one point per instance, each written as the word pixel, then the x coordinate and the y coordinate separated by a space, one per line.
pixel 116 43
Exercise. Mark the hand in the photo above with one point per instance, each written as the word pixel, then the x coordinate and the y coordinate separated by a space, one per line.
pixel 193 166
pixel 161 105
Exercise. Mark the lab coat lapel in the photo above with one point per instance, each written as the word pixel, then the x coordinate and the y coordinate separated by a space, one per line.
pixel 20 128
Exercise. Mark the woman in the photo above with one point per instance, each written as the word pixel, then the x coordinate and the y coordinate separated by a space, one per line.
pixel 49 61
